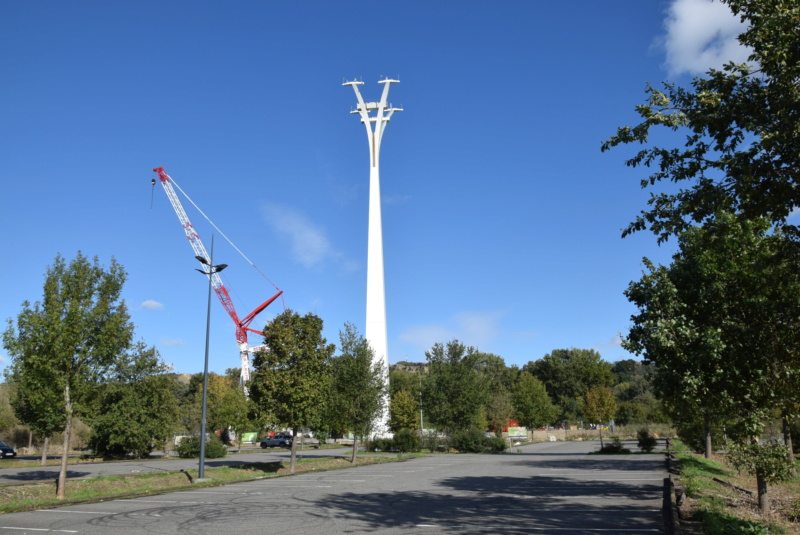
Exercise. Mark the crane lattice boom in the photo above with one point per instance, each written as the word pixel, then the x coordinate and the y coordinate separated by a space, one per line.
pixel 242 325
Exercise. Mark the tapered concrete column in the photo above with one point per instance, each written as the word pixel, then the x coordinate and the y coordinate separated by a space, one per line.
pixel 375 116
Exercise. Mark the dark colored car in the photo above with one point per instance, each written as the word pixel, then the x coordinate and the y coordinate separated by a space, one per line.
pixel 284 440
pixel 6 450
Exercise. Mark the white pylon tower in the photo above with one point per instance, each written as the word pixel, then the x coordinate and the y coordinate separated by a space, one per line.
pixel 375 116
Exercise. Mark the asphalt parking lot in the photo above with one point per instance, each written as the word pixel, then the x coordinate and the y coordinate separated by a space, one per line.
pixel 540 488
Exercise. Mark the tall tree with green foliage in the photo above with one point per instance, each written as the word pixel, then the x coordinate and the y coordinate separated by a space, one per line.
pixel 70 340
pixel 677 329
pixel 721 324
pixel 137 407
pixel 7 417
pixel 740 152
pixel 532 405
pixel 236 409
pixel 455 392
pixel 358 385
pixel 37 408
pixel 404 411
pixel 568 374
pixel 600 407
pixel 290 379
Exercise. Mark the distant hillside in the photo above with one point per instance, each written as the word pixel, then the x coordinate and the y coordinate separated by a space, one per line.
pixel 183 377
pixel 410 367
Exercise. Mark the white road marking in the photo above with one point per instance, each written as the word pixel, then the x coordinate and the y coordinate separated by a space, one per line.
pixel 77 512
pixel 40 529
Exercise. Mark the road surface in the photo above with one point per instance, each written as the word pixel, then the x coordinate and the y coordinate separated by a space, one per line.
pixel 539 488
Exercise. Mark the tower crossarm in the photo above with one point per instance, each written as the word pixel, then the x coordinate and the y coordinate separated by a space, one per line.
pixel 382 114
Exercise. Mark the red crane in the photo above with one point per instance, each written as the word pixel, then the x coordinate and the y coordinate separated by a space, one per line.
pixel 242 325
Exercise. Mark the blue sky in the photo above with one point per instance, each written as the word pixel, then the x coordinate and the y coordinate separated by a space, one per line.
pixel 501 217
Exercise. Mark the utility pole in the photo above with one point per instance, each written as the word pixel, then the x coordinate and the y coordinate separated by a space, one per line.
pixel 375 116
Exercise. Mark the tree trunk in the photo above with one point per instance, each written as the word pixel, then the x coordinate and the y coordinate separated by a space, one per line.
pixel 600 427
pixel 44 450
pixel 787 441
pixel 709 451
pixel 293 456
pixel 355 449
pixel 763 496
pixel 62 475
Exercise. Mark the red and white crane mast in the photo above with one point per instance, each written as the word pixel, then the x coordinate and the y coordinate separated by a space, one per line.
pixel 242 325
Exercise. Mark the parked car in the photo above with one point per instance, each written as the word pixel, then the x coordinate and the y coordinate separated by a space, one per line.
pixel 6 450
pixel 284 440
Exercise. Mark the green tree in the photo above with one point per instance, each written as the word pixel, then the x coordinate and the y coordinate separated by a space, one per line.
pixel 359 386
pixel 290 379
pixel 532 405
pixel 137 406
pixel 568 374
pixel 740 152
pixel 7 418
pixel 455 391
pixel 721 324
pixel 498 410
pixel 404 411
pixel 680 335
pixel 405 380
pixel 234 410
pixel 71 339
pixel 36 407
pixel 600 407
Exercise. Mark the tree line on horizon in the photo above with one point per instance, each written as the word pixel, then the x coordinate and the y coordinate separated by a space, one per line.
pixel 73 359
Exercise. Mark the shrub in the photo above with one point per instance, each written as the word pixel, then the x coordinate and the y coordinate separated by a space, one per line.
pixel 647 442
pixel 615 446
pixel 406 440
pixel 496 445
pixel 379 444
pixel 430 442
pixel 190 448
pixel 770 458
pixel 474 441
pixel 469 441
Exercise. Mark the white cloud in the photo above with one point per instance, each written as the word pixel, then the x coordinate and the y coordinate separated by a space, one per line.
pixel 422 337
pixel 309 244
pixel 151 305
pixel 701 34
pixel 478 329
pixel 397 198
pixel 609 345
pixel 173 342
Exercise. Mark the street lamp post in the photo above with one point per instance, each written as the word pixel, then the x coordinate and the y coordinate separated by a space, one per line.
pixel 208 269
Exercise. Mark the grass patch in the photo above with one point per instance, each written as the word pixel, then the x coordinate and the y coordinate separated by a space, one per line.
pixel 21 463
pixel 42 495
pixel 723 509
